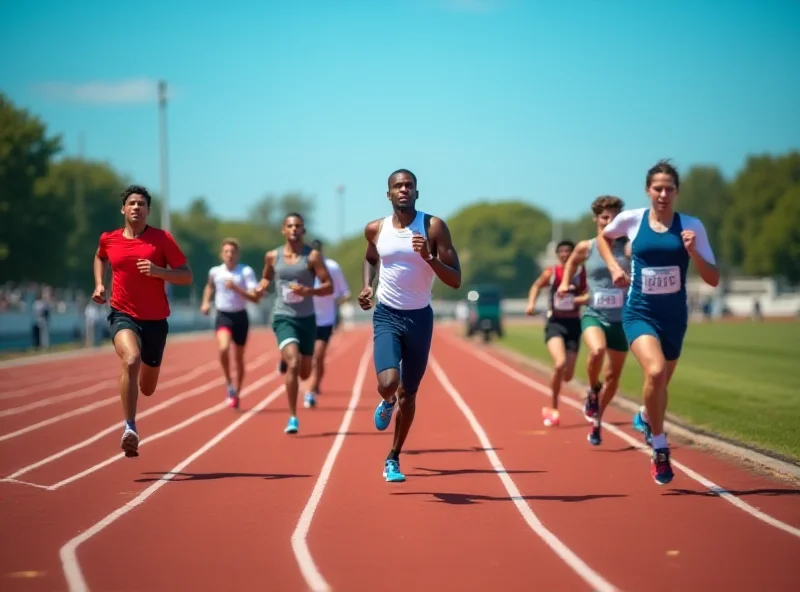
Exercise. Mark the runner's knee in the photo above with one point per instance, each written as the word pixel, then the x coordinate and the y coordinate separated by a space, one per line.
pixel 655 371
pixel 131 361
pixel 596 354
pixel 388 382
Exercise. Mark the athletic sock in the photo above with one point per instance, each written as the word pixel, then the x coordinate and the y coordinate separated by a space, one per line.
pixel 660 441
pixel 393 456
pixel 596 422
pixel 643 411
pixel 130 424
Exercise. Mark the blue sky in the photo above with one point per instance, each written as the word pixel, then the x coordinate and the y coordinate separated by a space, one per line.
pixel 553 103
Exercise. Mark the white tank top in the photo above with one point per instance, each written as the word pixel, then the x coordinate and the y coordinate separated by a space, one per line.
pixel 226 300
pixel 405 279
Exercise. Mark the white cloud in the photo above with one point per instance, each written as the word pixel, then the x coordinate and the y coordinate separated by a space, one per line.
pixel 132 90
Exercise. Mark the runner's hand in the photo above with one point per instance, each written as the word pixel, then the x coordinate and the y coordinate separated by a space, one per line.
pixel 365 298
pixel 420 245
pixel 530 310
pixel 688 238
pixel 564 288
pixel 204 308
pixel 146 267
pixel 300 289
pixel 620 278
pixel 99 294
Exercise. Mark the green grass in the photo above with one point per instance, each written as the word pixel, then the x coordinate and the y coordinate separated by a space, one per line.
pixel 740 380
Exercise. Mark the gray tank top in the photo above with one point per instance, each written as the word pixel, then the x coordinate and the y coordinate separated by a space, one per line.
pixel 287 303
pixel 605 299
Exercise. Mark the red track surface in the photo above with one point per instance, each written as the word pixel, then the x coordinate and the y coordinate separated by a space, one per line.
pixel 227 517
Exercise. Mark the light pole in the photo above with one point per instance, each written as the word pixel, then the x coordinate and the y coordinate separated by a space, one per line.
pixel 162 128
pixel 340 189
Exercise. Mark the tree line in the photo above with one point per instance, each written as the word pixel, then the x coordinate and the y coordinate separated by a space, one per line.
pixel 54 209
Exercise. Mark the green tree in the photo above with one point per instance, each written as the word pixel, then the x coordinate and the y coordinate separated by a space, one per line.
pixel 706 194
pixel 25 153
pixel 196 231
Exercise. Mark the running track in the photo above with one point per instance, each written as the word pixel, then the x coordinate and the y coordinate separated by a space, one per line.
pixel 223 500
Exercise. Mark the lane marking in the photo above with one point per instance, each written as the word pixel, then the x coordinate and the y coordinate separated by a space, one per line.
pixel 163 433
pixel 638 445
pixel 591 577
pixel 88 390
pixel 68 552
pixel 111 400
pixel 315 580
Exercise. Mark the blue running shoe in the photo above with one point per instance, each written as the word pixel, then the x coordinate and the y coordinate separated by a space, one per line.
pixel 310 401
pixel 383 415
pixel 391 472
pixel 292 426
pixel 640 425
pixel 594 437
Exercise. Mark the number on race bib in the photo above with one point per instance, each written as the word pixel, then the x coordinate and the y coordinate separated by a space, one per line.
pixel 605 298
pixel 290 297
pixel 661 280
pixel 566 302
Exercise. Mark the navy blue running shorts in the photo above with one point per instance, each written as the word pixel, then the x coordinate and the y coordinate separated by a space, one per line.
pixel 402 336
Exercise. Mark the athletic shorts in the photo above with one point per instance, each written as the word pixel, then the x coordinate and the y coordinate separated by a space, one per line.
pixel 615 334
pixel 299 330
pixel 150 335
pixel 670 333
pixel 568 329
pixel 236 323
pixel 402 340
pixel 324 332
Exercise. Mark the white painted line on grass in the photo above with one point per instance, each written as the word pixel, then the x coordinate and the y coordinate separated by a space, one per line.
pixel 591 577
pixel 68 553
pixel 316 582
pixel 116 426
pixel 641 447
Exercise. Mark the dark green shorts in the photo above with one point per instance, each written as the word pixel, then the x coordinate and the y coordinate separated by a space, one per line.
pixel 615 335
pixel 299 330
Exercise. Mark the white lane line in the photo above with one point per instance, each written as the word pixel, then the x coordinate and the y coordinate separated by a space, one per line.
pixel 171 430
pixel 316 582
pixel 93 389
pixel 591 577
pixel 18 482
pixel 111 400
pixel 68 553
pixel 641 447
pixel 116 426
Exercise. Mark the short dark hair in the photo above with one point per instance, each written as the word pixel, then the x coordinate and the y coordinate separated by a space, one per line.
pixel 565 243
pixel 316 244
pixel 294 215
pixel 399 171
pixel 136 189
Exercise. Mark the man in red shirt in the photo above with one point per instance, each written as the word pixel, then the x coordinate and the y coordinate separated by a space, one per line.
pixel 139 256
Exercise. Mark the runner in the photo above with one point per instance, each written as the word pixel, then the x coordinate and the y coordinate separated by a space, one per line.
pixel 655 316
pixel 562 332
pixel 232 284
pixel 325 309
pixel 413 248
pixel 601 323
pixel 139 255
pixel 294 268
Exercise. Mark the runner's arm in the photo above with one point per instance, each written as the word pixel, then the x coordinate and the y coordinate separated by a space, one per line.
pixel 371 257
pixel 208 291
pixel 578 256
pixel 537 285
pixel 445 262
pixel 100 267
pixel 267 274
pixel 325 287
pixel 251 292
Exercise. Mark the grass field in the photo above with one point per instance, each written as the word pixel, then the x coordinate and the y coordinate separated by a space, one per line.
pixel 735 379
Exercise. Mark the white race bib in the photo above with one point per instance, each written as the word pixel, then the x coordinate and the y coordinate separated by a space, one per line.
pixel 290 297
pixel 661 280
pixel 565 302
pixel 608 298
